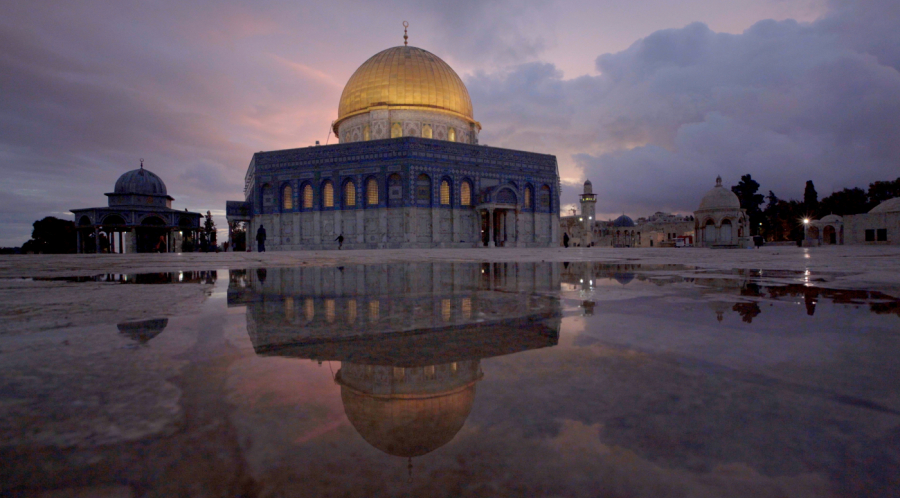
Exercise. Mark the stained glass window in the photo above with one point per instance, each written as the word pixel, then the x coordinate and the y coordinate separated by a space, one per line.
pixel 307 196
pixel 349 194
pixel 445 193
pixel 287 198
pixel 372 192
pixel 328 195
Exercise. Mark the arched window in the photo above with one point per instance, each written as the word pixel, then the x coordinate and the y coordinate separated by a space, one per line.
pixel 371 192
pixel 544 198
pixel 349 194
pixel 451 135
pixel 367 133
pixel 465 194
pixel 396 131
pixel 526 202
pixel 426 131
pixel 307 196
pixel 445 193
pixel 328 194
pixel 423 190
pixel 287 198
pixel 709 232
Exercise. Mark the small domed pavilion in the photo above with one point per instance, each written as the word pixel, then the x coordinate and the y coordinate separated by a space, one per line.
pixel 720 221
pixel 624 234
pixel 139 218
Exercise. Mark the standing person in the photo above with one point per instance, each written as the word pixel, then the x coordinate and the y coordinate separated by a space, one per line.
pixel 340 241
pixel 261 239
pixel 566 240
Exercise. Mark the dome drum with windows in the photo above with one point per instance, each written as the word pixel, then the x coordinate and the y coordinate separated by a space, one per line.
pixel 405 91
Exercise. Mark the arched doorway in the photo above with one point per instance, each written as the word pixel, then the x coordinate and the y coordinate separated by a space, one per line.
pixel 813 233
pixel 709 233
pixel 114 226
pixel 829 235
pixel 151 236
pixel 726 233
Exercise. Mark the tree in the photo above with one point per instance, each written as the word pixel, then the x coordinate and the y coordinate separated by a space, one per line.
pixel 52 236
pixel 746 191
pixel 844 202
pixel 209 228
pixel 882 191
pixel 783 219
pixel 810 200
pixel 770 217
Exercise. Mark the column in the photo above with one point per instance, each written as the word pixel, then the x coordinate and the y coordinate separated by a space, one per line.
pixel 490 227
pixel 78 248
pixel 96 240
pixel 121 247
pixel 231 236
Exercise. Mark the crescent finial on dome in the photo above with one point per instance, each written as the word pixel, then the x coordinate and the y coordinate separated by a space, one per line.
pixel 405 38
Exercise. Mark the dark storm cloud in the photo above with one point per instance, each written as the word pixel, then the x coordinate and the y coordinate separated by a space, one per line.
pixel 784 101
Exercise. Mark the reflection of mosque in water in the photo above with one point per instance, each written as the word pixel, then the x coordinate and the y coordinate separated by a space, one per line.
pixel 174 277
pixel 586 276
pixel 410 338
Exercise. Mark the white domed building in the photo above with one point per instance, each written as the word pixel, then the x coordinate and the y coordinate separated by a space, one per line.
pixel 139 218
pixel 407 172
pixel 827 231
pixel 720 221
pixel 880 226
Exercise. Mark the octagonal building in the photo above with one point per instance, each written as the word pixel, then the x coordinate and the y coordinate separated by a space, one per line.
pixel 407 172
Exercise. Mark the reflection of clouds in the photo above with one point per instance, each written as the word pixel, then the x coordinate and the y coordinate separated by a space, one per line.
pixel 579 454
pixel 570 328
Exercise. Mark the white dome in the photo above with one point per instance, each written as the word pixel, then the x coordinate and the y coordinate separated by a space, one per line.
pixel 832 218
pixel 720 197
pixel 888 206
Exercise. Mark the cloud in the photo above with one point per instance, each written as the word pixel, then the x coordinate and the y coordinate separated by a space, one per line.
pixel 783 101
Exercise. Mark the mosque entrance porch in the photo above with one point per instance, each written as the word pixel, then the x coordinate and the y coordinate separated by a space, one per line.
pixel 498 226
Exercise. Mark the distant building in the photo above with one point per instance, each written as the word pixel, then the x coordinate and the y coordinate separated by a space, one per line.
pixel 658 230
pixel 139 218
pixel 880 226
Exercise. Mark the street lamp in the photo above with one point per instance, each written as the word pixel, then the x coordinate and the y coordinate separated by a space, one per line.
pixel 806 221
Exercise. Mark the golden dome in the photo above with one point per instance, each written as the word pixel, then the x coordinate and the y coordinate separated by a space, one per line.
pixel 405 78
pixel 408 425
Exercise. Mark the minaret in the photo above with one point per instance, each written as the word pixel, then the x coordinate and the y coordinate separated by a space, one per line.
pixel 588 204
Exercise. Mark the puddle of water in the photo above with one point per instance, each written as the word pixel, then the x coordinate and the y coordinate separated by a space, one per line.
pixel 467 380
pixel 179 277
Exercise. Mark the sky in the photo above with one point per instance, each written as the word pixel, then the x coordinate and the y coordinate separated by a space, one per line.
pixel 650 100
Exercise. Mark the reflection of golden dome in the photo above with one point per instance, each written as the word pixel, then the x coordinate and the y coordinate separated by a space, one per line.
pixel 408 425
pixel 405 78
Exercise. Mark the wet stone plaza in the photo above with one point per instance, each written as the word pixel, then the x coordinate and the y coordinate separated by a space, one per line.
pixel 554 373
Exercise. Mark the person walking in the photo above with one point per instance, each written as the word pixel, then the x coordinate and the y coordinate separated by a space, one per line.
pixel 261 239
pixel 340 241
